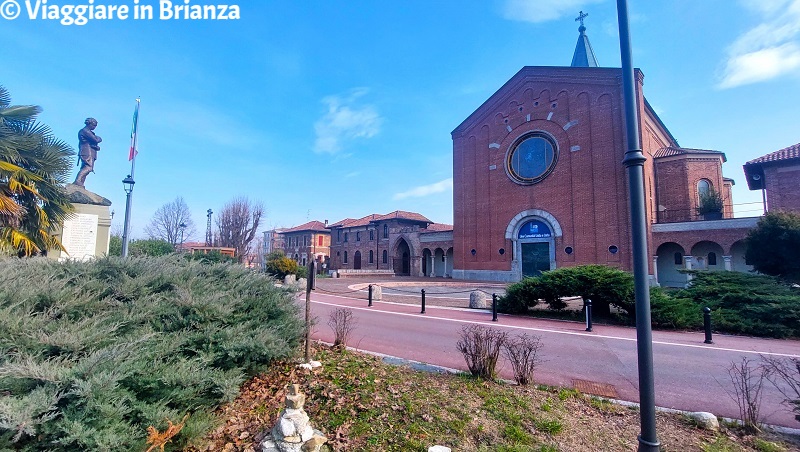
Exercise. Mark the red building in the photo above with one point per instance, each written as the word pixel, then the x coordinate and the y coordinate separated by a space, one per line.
pixel 398 243
pixel 307 241
pixel 539 182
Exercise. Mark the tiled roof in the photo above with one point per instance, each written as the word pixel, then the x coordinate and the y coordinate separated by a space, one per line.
pixel 670 151
pixel 351 223
pixel 403 215
pixel 437 227
pixel 363 221
pixel 340 223
pixel 792 152
pixel 315 225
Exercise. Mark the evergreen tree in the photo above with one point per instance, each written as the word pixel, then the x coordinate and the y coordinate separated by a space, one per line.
pixel 772 245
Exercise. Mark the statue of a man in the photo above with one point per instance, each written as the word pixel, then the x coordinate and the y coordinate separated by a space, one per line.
pixel 88 145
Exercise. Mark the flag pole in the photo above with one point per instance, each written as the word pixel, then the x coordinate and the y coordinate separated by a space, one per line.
pixel 128 182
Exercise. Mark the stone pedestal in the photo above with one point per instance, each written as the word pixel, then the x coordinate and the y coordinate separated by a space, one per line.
pixel 87 232
pixel 477 300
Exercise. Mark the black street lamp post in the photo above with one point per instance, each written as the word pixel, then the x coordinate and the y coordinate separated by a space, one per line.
pixel 128 183
pixel 634 163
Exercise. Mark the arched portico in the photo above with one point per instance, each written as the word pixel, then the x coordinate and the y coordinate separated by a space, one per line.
pixel 708 255
pixel 427 262
pixel 737 260
pixel 401 258
pixel 669 262
pixel 533 233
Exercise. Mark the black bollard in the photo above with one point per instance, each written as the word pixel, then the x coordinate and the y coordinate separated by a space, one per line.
pixel 494 307
pixel 370 296
pixel 707 324
pixel 588 306
pixel 423 302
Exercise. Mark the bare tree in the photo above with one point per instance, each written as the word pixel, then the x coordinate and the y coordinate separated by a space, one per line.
pixel 237 224
pixel 166 222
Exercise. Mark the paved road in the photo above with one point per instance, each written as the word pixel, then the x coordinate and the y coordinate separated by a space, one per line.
pixel 689 375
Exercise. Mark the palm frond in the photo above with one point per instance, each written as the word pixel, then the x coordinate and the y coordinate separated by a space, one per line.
pixel 17 241
pixel 5 97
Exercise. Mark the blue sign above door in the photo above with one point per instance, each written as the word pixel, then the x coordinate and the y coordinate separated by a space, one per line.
pixel 534 229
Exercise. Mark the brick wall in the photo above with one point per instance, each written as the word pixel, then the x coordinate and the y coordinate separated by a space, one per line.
pixel 783 187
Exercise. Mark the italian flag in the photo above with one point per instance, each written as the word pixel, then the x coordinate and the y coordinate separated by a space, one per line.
pixel 133 151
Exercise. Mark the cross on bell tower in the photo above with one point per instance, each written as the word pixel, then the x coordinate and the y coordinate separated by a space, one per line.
pixel 581 16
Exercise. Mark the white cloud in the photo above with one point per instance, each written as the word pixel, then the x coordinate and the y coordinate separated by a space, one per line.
pixel 425 190
pixel 353 174
pixel 543 10
pixel 761 65
pixel 769 50
pixel 345 120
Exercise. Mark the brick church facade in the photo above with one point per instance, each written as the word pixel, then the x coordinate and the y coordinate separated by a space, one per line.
pixel 539 182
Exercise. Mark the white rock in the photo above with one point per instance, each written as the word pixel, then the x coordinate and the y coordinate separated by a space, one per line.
pixel 289 279
pixel 307 433
pixel 705 420
pixel 310 365
pixel 269 446
pixel 438 449
pixel 286 427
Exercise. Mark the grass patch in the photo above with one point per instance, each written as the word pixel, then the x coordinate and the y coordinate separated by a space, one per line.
pixel 362 404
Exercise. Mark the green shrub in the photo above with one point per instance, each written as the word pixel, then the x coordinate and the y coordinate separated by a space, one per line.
pixel 149 247
pixel 93 353
pixel 281 266
pixel 212 257
pixel 674 313
pixel 748 304
pixel 605 286
pixel 519 296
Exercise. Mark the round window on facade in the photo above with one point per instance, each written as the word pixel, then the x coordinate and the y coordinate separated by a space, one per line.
pixel 502 251
pixel 568 250
pixel 531 158
pixel 613 249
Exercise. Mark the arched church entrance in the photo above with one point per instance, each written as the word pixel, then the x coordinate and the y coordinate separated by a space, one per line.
pixel 357 260
pixel 535 242
pixel 402 258
pixel 533 234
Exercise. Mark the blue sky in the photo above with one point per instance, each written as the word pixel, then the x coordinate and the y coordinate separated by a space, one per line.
pixel 333 109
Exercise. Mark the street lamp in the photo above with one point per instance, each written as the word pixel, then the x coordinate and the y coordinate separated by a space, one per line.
pixel 634 164
pixel 183 228
pixel 127 183
pixel 208 228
